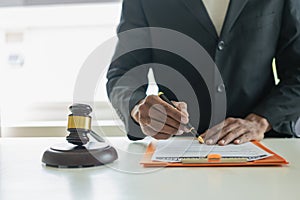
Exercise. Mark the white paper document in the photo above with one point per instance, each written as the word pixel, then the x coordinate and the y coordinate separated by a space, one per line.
pixel 176 149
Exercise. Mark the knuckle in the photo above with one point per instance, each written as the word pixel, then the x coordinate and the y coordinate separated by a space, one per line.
pixel 144 118
pixel 182 105
pixel 209 133
pixel 215 139
pixel 184 120
pixel 231 135
pixel 150 99
pixel 147 100
pixel 236 134
pixel 238 131
pixel 156 136
pixel 230 119
pixel 187 114
pixel 142 108
pixel 225 129
pixel 238 121
pixel 143 115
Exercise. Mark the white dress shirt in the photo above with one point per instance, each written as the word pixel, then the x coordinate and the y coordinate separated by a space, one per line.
pixel 217 10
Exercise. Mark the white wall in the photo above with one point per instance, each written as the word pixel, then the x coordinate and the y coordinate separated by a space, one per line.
pixel 54 42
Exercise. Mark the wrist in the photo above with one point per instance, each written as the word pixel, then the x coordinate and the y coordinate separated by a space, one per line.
pixel 261 121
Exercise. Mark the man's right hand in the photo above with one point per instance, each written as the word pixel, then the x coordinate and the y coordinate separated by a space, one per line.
pixel 159 119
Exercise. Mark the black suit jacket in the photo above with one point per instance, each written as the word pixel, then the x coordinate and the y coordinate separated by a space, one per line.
pixel 254 32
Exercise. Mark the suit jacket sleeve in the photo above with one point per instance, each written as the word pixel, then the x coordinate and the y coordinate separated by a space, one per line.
pixel 282 106
pixel 127 74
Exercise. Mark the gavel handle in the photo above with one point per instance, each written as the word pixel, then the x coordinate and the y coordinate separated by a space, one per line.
pixel 96 136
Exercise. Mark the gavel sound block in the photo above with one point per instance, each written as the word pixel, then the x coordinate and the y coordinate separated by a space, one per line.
pixel 79 151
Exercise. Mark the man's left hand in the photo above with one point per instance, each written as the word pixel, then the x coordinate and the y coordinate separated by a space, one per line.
pixel 237 131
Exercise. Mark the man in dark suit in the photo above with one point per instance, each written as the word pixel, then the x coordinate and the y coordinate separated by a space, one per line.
pixel 254 32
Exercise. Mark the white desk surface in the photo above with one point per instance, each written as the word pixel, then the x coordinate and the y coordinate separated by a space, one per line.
pixel 22 176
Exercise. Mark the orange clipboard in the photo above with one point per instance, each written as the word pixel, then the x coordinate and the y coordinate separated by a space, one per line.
pixel 274 160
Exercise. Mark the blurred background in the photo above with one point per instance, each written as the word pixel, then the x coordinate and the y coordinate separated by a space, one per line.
pixel 43 44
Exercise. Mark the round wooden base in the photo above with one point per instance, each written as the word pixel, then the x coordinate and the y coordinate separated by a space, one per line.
pixel 66 155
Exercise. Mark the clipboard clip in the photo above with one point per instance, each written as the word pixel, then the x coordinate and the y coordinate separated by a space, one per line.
pixel 213 159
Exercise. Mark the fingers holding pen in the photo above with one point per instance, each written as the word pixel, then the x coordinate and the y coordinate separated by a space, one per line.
pixel 162 113
pixel 159 126
pixel 169 110
pixel 156 117
pixel 155 134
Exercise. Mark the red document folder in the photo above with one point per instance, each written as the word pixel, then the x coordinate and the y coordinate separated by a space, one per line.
pixel 274 160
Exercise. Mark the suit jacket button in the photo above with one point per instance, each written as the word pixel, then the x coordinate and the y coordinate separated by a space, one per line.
pixel 221 45
pixel 221 88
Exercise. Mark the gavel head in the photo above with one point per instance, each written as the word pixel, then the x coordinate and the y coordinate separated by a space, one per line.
pixel 80 109
pixel 79 124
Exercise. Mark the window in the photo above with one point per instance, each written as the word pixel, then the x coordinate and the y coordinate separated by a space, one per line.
pixel 47 2
pixel 41 51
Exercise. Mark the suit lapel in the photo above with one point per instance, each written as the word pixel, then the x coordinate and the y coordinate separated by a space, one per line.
pixel 197 8
pixel 234 10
